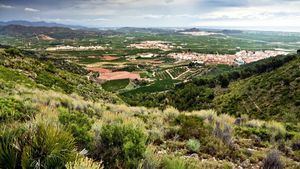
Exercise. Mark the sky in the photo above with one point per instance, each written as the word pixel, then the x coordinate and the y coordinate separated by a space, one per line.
pixel 281 15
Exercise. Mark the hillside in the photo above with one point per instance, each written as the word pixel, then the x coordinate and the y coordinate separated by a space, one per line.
pixel 267 89
pixel 40 71
pixel 271 95
pixel 52 116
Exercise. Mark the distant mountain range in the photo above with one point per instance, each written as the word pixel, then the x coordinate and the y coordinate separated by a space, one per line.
pixel 40 24
pixel 53 32
pixel 223 31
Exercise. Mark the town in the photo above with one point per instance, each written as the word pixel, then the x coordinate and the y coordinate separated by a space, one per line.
pixel 240 58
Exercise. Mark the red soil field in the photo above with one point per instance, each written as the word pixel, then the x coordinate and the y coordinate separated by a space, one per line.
pixel 106 74
pixel 109 58
pixel 100 70
pixel 119 75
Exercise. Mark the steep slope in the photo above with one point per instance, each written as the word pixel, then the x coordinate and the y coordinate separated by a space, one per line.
pixel 37 71
pixel 272 95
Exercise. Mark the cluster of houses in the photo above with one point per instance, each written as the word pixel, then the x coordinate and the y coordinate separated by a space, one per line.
pixel 162 45
pixel 80 48
pixel 239 58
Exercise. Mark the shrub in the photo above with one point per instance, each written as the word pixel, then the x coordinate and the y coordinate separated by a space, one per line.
pixel 225 133
pixel 150 161
pixel 13 51
pixel 277 129
pixel 79 125
pixel 255 123
pixel 171 162
pixel 9 154
pixel 40 146
pixel 193 145
pixel 120 145
pixel 48 147
pixel 191 127
pixel 215 147
pixel 262 133
pixel 12 109
pixel 296 143
pixel 49 80
pixel 272 161
pixel 209 115
pixel 174 163
pixel 84 163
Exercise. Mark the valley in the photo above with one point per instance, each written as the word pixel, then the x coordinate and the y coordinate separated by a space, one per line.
pixel 148 98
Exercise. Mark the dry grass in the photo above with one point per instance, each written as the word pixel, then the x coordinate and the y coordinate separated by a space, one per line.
pixel 84 163
pixel 255 123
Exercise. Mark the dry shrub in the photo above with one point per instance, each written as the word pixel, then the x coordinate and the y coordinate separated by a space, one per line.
pixel 255 123
pixel 277 129
pixel 273 161
pixel 209 115
pixel 170 113
pixel 82 162
pixel 151 160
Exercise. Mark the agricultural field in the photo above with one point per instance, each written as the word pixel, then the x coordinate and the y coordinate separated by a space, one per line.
pixel 126 46
pixel 115 85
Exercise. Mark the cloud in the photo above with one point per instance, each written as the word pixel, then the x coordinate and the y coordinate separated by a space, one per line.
pixel 101 19
pixel 156 13
pixel 31 10
pixel 6 6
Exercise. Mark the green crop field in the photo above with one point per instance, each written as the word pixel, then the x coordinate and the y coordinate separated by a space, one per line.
pixel 115 85
pixel 175 72
pixel 158 86
pixel 161 75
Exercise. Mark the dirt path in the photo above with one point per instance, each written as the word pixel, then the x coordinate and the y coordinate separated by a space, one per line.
pixel 188 70
pixel 170 74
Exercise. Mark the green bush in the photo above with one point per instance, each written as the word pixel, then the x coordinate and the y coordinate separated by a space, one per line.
pixel 10 156
pixel 174 163
pixel 193 145
pixel 150 161
pixel 120 145
pixel 215 147
pixel 50 80
pixel 40 146
pixel 296 143
pixel 191 127
pixel 262 133
pixel 48 147
pixel 12 109
pixel 13 51
pixel 78 124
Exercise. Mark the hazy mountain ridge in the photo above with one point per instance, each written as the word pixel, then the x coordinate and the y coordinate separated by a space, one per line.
pixel 54 32
pixel 40 24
